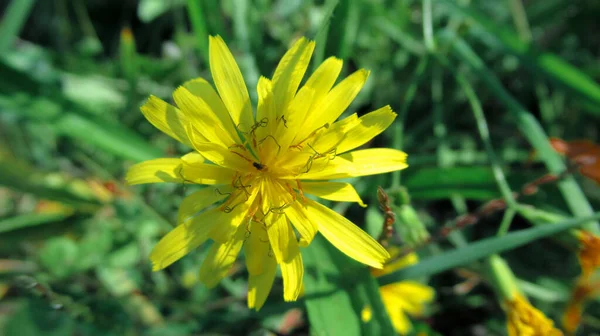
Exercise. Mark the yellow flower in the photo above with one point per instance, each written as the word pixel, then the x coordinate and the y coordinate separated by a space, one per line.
pixel 260 165
pixel 403 298
pixel 525 320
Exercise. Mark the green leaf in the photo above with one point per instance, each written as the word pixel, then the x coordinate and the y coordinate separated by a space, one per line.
pixel 337 290
pixel 475 183
pixel 481 249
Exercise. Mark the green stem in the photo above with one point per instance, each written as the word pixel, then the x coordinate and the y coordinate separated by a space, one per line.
pixel 12 21
pixel 428 26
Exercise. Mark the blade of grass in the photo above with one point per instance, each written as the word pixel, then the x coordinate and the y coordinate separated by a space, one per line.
pixel 12 21
pixel 409 96
pixel 481 249
pixel 33 219
pixel 528 126
pixel 323 33
pixel 197 19
pixel 484 133
pixel 547 64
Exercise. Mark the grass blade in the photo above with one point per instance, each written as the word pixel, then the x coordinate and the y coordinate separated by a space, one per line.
pixel 12 21
pixel 481 249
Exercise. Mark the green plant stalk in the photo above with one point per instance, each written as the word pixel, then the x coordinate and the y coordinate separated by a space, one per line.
pixel 198 22
pixel 503 278
pixel 506 221
pixel 399 124
pixel 530 128
pixel 12 21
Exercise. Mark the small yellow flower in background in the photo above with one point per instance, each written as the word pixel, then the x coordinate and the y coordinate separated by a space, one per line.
pixel 403 298
pixel 589 252
pixel 523 319
pixel 260 165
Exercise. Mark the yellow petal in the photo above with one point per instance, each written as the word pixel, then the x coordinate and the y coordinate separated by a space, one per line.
pixel 256 249
pixel 292 272
pixel 155 171
pixel 324 77
pixel 231 220
pixel 338 100
pixel 396 263
pixel 204 91
pixel 321 81
pixel 393 306
pixel 166 118
pixel 289 72
pixel 305 227
pixel 294 119
pixel 219 154
pixel 413 296
pixel 204 119
pixel 195 202
pixel 260 285
pixel 282 239
pixel 192 158
pixel 206 173
pixel 229 82
pixel 356 163
pixel 370 125
pixel 220 258
pixel 346 236
pixel 266 110
pixel 333 191
pixel 183 239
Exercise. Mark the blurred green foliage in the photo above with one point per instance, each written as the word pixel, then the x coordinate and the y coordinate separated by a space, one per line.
pixel 74 240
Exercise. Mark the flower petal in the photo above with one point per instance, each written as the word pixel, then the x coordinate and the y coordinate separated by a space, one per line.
pixel 166 118
pixel 321 81
pixel 356 163
pixel 414 295
pixel 192 158
pixel 231 220
pixel 292 273
pixel 200 88
pixel 220 258
pixel 282 238
pixel 307 229
pixel 393 306
pixel 397 262
pixel 259 285
pixel 289 72
pixel 337 100
pixel 235 158
pixel 371 125
pixel 195 202
pixel 333 191
pixel 346 236
pixel 229 82
pixel 204 119
pixel 256 249
pixel 293 120
pixel 155 171
pixel 183 239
